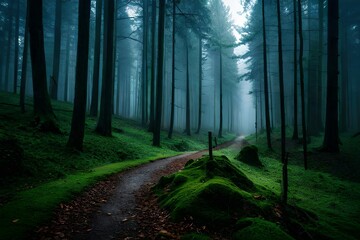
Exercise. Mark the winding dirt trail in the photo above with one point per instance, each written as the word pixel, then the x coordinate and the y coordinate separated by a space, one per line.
pixel 115 217
pixel 109 209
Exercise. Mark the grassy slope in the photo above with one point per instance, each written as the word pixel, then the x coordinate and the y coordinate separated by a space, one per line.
pixel 330 188
pixel 50 173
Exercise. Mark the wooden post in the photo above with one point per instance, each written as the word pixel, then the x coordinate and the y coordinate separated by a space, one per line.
pixel 210 145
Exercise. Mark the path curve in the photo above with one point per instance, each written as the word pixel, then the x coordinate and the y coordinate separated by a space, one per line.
pixel 115 217
pixel 107 210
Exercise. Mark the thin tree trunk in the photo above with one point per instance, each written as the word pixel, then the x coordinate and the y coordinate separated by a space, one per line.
pixel 144 64
pixel 10 29
pixel 16 50
pixel 221 95
pixel 331 137
pixel 172 106
pixel 320 68
pixel 344 75
pixel 187 128
pixel 266 87
pixel 67 63
pixel 44 115
pixel 200 85
pixel 152 83
pixel 159 82
pixel 24 64
pixel 284 189
pixel 78 118
pixel 303 118
pixel 96 68
pixel 54 81
pixel 104 123
pixel 295 130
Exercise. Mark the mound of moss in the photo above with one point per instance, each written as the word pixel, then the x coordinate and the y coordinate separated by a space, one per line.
pixel 258 229
pixel 213 192
pixel 249 155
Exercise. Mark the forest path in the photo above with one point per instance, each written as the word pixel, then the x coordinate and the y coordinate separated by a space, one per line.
pixel 109 209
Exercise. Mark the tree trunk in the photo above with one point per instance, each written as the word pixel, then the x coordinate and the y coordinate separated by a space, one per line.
pixel 266 87
pixel 172 106
pixel 144 64
pixel 104 123
pixel 303 118
pixel 159 82
pixel 153 74
pixel 54 81
pixel 344 75
pixel 320 68
pixel 295 130
pixel 44 115
pixel 331 137
pixel 8 55
pixel 16 50
pixel 67 63
pixel 200 85
pixel 188 112
pixel 284 189
pixel 78 118
pixel 24 64
pixel 96 68
pixel 221 95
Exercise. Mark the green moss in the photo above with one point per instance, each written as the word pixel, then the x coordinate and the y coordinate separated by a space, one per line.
pixel 259 229
pixel 249 155
pixel 210 191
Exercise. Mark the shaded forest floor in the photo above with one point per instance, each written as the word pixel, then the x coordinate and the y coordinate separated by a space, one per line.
pixel 39 174
pixel 37 171
pixel 329 191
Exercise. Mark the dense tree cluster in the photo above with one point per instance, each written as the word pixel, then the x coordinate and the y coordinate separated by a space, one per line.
pixel 171 64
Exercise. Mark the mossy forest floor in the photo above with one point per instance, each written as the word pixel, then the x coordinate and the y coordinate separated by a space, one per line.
pixel 38 172
pixel 209 199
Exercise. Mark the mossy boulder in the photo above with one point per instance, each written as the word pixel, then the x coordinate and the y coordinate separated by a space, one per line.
pixel 212 191
pixel 259 229
pixel 249 155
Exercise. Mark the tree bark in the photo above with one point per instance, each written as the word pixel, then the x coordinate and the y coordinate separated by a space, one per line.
pixel 104 123
pixel 188 112
pixel 144 64
pixel 44 115
pixel 8 55
pixel 331 137
pixel 172 106
pixel 153 73
pixel 54 81
pixel 320 63
pixel 295 130
pixel 96 68
pixel 200 85
pixel 76 137
pixel 344 75
pixel 16 50
pixel 67 63
pixel 159 82
pixel 24 63
pixel 266 87
pixel 221 95
pixel 284 189
pixel 303 118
